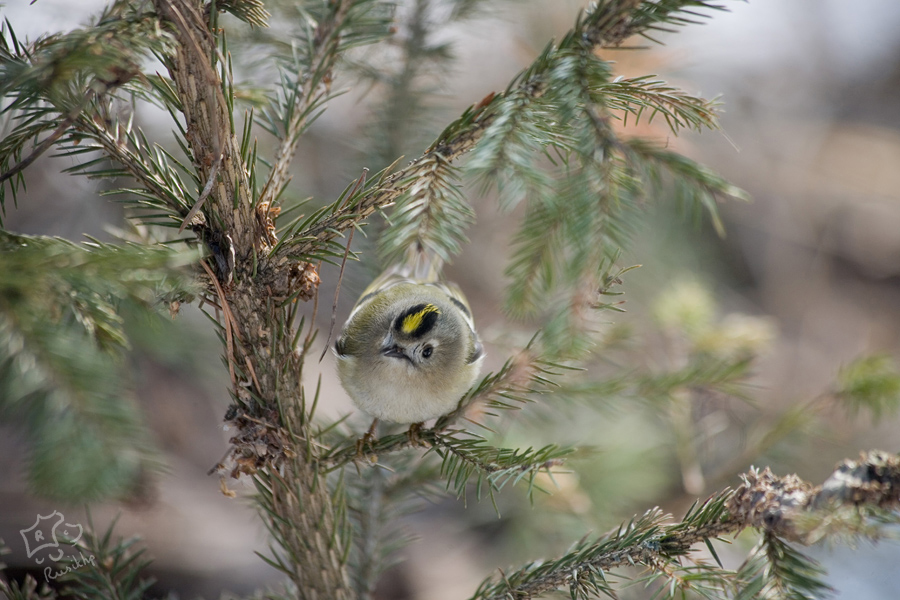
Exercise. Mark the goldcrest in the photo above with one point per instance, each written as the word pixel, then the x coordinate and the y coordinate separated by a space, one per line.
pixel 408 351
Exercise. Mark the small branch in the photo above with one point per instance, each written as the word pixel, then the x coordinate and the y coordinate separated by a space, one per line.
pixel 514 378
pixel 371 524
pixel 434 438
pixel 378 447
pixel 206 190
pixel 45 144
pixel 784 507
pixel 230 323
pixel 609 25
pixel 340 279
pixel 134 164
pixel 352 214
pixel 208 131
pixel 325 55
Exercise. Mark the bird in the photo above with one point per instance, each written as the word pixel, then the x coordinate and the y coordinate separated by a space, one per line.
pixel 409 350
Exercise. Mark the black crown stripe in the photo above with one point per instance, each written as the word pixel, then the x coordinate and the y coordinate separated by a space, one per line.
pixel 424 316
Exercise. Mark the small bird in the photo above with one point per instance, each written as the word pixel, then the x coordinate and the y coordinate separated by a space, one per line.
pixel 409 350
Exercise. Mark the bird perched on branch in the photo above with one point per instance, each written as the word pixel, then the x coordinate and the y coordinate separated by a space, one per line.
pixel 409 350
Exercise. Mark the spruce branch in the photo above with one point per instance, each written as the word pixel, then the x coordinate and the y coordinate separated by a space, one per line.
pixel 637 96
pixel 604 24
pixel 784 509
pixel 612 22
pixel 27 589
pixel 252 12
pixel 775 569
pixel 339 217
pixel 77 104
pixel 106 567
pixel 163 197
pixel 45 144
pixel 205 99
pixel 274 439
pixel 378 500
pixel 520 380
pixel 411 71
pixel 61 341
pixel 872 383
pixel 309 88
pixel 695 186
pixel 372 518
pixel 51 82
pixel 430 217
pixel 466 457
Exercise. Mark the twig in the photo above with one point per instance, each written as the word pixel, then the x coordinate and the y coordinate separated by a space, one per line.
pixel 779 506
pixel 40 148
pixel 51 139
pixel 203 195
pixel 252 371
pixel 610 25
pixel 380 446
pixel 228 318
pixel 337 290
pixel 326 43
pixel 440 442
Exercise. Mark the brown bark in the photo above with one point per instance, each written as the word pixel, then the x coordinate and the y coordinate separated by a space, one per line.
pixel 264 364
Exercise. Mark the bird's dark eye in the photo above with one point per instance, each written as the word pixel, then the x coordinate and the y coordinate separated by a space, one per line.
pixel 427 351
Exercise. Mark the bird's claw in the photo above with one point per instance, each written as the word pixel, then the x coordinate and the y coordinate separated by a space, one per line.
pixel 415 438
pixel 367 442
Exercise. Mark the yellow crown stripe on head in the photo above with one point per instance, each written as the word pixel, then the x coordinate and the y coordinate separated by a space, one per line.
pixel 411 323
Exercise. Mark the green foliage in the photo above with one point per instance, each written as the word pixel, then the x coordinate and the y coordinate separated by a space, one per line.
pixel 106 567
pixel 162 197
pixel 585 189
pixel 252 12
pixel 613 21
pixel 27 590
pixel 61 374
pixel 378 499
pixel 59 80
pixel 408 75
pixel 871 383
pixel 301 236
pixel 553 143
pixel 776 570
pixel 585 569
pixel 521 380
pixel 432 216
pixel 306 60
pixel 466 458
pixel 96 566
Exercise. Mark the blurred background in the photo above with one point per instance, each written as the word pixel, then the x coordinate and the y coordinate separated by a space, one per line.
pixel 808 275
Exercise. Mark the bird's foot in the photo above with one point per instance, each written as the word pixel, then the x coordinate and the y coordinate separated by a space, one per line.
pixel 366 442
pixel 414 435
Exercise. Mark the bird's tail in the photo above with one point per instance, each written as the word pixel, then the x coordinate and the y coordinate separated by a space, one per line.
pixel 419 264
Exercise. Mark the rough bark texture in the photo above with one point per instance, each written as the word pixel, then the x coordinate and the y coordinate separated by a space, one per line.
pixel 264 364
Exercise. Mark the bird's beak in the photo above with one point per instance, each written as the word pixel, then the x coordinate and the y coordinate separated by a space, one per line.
pixel 394 351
